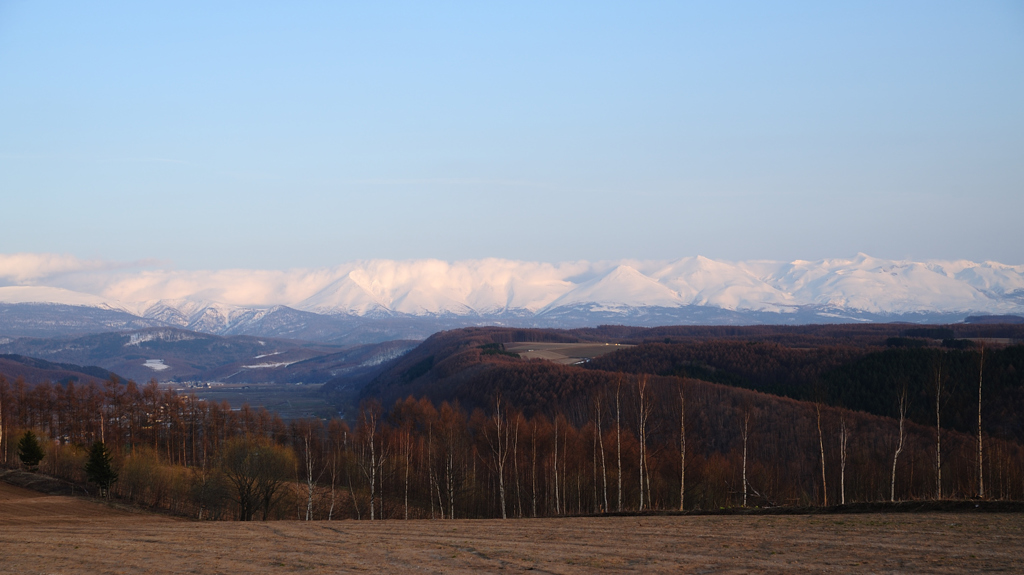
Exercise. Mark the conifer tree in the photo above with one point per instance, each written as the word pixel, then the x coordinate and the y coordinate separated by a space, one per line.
pixel 30 451
pixel 98 469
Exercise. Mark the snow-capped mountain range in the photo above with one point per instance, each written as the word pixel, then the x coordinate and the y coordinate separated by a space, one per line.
pixel 505 291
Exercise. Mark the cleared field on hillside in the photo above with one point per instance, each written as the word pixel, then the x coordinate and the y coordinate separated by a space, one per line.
pixel 288 400
pixel 47 534
pixel 564 353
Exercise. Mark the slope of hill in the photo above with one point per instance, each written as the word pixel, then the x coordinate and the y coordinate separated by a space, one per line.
pixel 170 354
pixel 643 388
pixel 54 320
pixel 844 366
pixel 32 370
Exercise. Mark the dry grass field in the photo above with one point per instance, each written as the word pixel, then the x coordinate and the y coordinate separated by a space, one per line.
pixel 564 353
pixel 58 534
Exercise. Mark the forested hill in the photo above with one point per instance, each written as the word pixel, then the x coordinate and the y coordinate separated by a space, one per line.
pixel 855 335
pixel 32 370
pixel 861 379
pixel 843 366
pixel 842 385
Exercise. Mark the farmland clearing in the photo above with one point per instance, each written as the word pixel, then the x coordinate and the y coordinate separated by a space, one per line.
pixel 52 534
pixel 564 353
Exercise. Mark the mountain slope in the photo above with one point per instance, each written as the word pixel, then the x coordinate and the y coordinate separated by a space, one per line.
pixel 33 370
pixel 375 300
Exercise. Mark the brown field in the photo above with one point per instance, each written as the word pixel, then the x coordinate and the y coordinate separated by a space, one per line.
pixel 564 353
pixel 59 534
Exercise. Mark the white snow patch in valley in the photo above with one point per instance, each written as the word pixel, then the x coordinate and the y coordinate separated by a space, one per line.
pixel 156 364
pixel 266 365
pixel 139 338
pixel 268 354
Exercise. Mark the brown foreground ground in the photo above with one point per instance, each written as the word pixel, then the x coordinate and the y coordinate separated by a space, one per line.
pixel 61 534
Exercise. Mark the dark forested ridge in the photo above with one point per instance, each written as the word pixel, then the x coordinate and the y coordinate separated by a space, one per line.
pixel 850 366
pixel 34 370
pixel 866 379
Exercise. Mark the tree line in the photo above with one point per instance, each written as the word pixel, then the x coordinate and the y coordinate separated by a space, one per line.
pixel 853 378
pixel 629 443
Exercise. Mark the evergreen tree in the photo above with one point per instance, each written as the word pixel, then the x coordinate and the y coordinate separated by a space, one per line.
pixel 30 451
pixel 98 469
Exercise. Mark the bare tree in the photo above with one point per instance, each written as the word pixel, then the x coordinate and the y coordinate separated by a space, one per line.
pixel 682 446
pixel 371 461
pixel 596 507
pixel 981 372
pixel 644 412
pixel 533 469
pixel 3 450
pixel 821 448
pixel 337 434
pixel 257 469
pixel 309 464
pixel 432 486
pixel 844 438
pixel 600 439
pixel 405 439
pixel 515 464
pixel 557 507
pixel 902 408
pixel 618 438
pixel 746 425
pixel 499 448
pixel 938 430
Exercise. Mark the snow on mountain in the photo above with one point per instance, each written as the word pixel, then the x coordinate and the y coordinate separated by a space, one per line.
pixel 350 294
pixel 203 316
pixel 622 287
pixel 427 287
pixel 237 301
pixel 703 281
pixel 45 294
pixel 988 277
pixel 881 286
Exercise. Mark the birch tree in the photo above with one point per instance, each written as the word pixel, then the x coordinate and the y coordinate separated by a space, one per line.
pixel 499 449
pixel 938 430
pixel 844 438
pixel 600 439
pixel 309 462
pixel 682 446
pixel 746 425
pixel 821 448
pixel 981 372
pixel 902 409
pixel 370 463
pixel 618 439
pixel 3 448
pixel 643 415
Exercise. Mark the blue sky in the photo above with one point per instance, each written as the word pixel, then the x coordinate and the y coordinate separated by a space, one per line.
pixel 280 135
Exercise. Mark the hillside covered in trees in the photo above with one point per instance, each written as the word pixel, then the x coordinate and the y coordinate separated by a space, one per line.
pixel 461 427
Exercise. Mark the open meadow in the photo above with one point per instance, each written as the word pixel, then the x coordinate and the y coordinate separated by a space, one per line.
pixel 61 534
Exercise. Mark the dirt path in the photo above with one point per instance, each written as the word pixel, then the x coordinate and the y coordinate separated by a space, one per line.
pixel 70 535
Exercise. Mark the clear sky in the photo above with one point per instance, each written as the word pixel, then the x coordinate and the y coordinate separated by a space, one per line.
pixel 297 134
